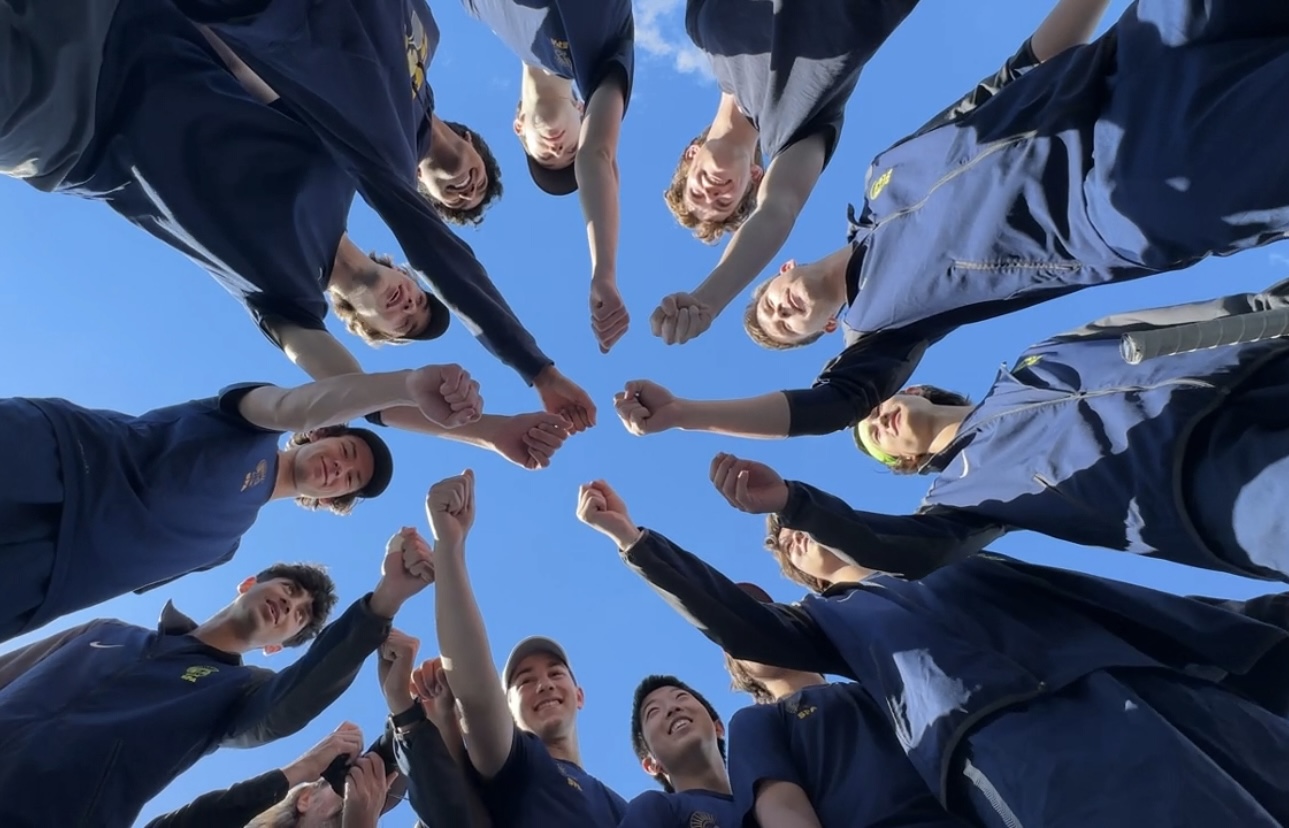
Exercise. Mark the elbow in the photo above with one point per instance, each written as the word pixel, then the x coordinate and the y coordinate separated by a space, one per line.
pixel 594 162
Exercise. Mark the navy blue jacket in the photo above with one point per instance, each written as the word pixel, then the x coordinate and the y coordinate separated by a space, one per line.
pixel 354 73
pixel 990 633
pixel 1074 181
pixel 123 710
pixel 1113 470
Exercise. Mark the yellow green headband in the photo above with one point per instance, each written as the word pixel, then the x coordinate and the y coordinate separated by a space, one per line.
pixel 867 446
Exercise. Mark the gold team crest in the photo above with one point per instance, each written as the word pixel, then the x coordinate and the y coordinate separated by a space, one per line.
pixel 418 54
pixel 256 477
pixel 562 56
pixel 702 819
pixel 193 673
pixel 879 185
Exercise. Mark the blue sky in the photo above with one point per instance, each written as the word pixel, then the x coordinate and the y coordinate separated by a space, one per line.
pixel 101 314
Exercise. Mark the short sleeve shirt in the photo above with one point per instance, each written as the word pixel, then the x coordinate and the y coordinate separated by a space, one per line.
pixel 535 790
pixel 681 809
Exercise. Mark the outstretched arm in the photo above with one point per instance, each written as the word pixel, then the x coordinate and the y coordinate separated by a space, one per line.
pixel 596 166
pixel 1070 23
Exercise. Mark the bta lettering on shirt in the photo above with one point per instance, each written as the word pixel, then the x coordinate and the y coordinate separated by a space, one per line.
pixel 823 43
pixel 152 497
pixel 535 790
pixel 581 40
pixel 832 741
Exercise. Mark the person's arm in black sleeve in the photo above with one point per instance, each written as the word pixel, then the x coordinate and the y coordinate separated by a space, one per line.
pixel 285 702
pixel 15 663
pixel 739 624
pixel 436 784
pixel 234 806
pixel 871 369
pixel 1269 609
pixel 909 545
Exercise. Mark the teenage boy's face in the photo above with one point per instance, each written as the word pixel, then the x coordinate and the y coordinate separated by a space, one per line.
pixel 714 184
pixel 550 132
pixel 273 611
pixel 543 697
pixel 391 301
pixel 675 723
pixel 332 466
pixel 790 308
pixel 457 178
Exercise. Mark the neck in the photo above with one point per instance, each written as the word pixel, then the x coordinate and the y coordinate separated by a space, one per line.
pixel 945 421
pixel 708 774
pixel 349 264
pixel 284 480
pixel 536 84
pixel 443 152
pixel 731 126
pixel 219 632
pixel 833 281
pixel 564 747
pixel 793 682
pixel 850 574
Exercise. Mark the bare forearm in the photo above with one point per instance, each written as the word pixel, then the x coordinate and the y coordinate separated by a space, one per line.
pixel 784 805
pixel 316 352
pixel 326 402
pixel 1070 23
pixel 479 433
pixel 766 417
pixel 597 187
pixel 752 248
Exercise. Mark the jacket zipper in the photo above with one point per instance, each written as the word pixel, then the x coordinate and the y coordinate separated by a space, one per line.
pixel 981 782
pixel 108 767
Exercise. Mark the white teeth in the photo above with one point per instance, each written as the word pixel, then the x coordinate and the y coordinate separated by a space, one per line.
pixel 680 723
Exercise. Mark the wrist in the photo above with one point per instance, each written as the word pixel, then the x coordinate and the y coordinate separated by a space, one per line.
pixel 300 771
pixel 381 603
pixel 710 294
pixel 604 275
pixel 626 540
pixel 688 414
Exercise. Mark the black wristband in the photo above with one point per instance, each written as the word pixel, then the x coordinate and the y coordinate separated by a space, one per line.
pixel 412 715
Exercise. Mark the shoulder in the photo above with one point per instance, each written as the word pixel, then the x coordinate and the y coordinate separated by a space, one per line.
pixel 650 804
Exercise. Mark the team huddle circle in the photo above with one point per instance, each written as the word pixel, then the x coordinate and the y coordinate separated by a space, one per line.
pixel 963 653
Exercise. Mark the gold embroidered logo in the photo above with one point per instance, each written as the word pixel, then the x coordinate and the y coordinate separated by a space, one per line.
pixel 418 54
pixel 1032 359
pixel 879 185
pixel 193 673
pixel 806 711
pixel 256 477
pixel 702 819
pixel 561 54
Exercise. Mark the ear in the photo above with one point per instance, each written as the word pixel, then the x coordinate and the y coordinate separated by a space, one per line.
pixel 912 391
pixel 831 325
pixel 581 698
pixel 720 729
pixel 272 649
pixel 581 107
pixel 246 585
pixel 326 501
pixel 518 125
pixel 690 152
pixel 303 800
pixel 788 265
pixel 651 766
pixel 757 173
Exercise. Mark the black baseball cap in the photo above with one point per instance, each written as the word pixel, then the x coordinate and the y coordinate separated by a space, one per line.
pixel 553 182
pixel 440 318
pixel 382 465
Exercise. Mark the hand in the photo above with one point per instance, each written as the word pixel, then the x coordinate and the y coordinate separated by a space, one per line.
pixel 394 670
pixel 530 440
pixel 647 408
pixel 562 396
pixel 407 569
pixel 445 394
pixel 431 686
pixel 609 317
pixel 749 486
pixel 365 790
pixel 602 509
pixel 680 318
pixel 450 508
pixel 346 740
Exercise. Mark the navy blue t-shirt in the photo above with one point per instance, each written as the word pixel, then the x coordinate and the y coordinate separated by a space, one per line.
pixel 792 64
pixel 244 190
pixel 581 40
pixel 682 809
pixel 149 498
pixel 832 742
pixel 535 790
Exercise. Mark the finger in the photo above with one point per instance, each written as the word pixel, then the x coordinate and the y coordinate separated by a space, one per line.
pixel 741 493
pixel 613 336
pixel 541 438
pixel 424 571
pixel 669 330
pixel 451 379
pixel 588 409
pixel 683 324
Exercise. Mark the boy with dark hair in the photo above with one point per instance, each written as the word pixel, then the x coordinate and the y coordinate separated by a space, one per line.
pixel 567 48
pixel 818 755
pixel 108 502
pixel 129 709
pixel 981 660
pixel 795 113
pixel 680 741
pixel 521 725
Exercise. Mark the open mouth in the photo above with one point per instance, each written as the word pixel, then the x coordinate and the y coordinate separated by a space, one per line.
pixel 680 724
pixel 546 704
pixel 796 303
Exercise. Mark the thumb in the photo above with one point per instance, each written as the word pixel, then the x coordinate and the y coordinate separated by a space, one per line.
pixel 669 307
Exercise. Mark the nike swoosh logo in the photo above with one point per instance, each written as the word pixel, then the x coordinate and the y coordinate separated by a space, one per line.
pixel 99 645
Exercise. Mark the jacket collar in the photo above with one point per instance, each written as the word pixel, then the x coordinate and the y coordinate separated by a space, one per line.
pixel 175 623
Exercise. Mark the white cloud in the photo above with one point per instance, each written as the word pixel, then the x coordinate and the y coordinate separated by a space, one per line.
pixel 660 33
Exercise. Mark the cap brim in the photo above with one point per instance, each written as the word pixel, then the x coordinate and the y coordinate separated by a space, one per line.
pixel 440 319
pixel 532 644
pixel 382 469
pixel 756 592
pixel 553 182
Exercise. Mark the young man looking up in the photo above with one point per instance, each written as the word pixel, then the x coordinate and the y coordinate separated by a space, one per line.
pixel 130 709
pixel 108 502
pixel 680 741
pixel 569 47
pixel 817 755
pixel 521 727
pixel 715 182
